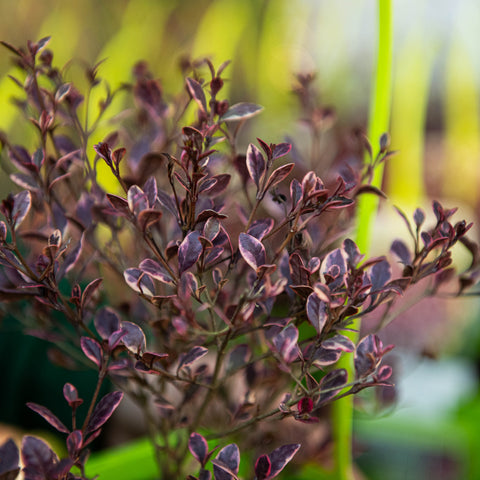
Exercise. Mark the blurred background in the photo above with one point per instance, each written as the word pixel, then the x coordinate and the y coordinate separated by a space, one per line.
pixel 430 429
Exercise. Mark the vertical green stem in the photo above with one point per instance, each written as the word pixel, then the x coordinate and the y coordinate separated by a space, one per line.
pixel 342 413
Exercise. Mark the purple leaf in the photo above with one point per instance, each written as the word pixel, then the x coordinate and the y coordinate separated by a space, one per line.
pixel 221 183
pixel 380 274
pixel 198 447
pixel 296 192
pixel 167 202
pixel 150 189
pixel 89 291
pixel 285 343
pixel 74 443
pixel 263 467
pixel 188 285
pixel 211 228
pixel 92 349
pixel 419 217
pixel 134 339
pixel 25 180
pixel 106 322
pixel 9 460
pixel 228 461
pixel 255 164
pixel 191 356
pixel 71 395
pixel 353 253
pixel 336 258
pixel 340 342
pixel 197 93
pixel 317 311
pixel 71 258
pixel 252 250
pixel 38 458
pixel 119 204
pixel 155 270
pixel 137 200
pixel 278 175
pixel 139 281
pixel 189 251
pixel 325 356
pixel 21 206
pixel 331 384
pixel 241 111
pixel 280 457
pixel 238 357
pixel 103 410
pixel 260 228
pixel 401 251
pixel 281 150
pixel 47 415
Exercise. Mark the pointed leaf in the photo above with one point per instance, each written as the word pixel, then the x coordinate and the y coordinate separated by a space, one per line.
pixel 191 356
pixel 281 150
pixel 198 447
pixel 241 111
pixel 228 462
pixel 280 457
pixel 47 415
pixel 255 164
pixel 197 93
pixel 317 311
pixel 92 349
pixel 189 251
pixel 252 250
pixel 278 175
pixel 103 410
pixel 263 467
pixel 21 206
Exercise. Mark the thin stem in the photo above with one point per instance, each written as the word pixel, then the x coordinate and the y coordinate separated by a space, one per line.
pixel 342 409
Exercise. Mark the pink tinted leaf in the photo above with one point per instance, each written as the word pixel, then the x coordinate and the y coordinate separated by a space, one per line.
pixel 228 461
pixel 189 251
pixel 72 257
pixel 106 322
pixel 137 200
pixel 401 251
pixel 380 274
pixel 255 164
pixel 198 447
pixel 197 93
pixel 139 281
pixel 263 467
pixel 278 175
pixel 252 250
pixel 74 443
pixel 285 343
pixel 260 228
pixel 340 342
pixel 24 180
pixel 280 457
pixel 317 311
pixel 191 356
pixel 92 349
pixel 48 416
pixel 222 181
pixel 89 291
pixel 155 270
pixel 21 206
pixel 119 204
pixel 331 384
pixel 281 150
pixel 134 339
pixel 71 395
pixel 103 410
pixel 296 192
pixel 241 111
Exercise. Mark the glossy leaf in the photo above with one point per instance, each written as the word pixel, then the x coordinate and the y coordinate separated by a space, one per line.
pixel 255 164
pixel 103 410
pixel 198 447
pixel 317 311
pixel 92 349
pixel 280 457
pixel 134 339
pixel 189 251
pixel 281 173
pixel 155 270
pixel 252 250
pixel 21 206
pixel 197 93
pixel 191 356
pixel 241 111
pixel 227 462
pixel 139 281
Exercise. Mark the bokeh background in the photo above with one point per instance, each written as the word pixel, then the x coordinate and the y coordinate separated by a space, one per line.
pixel 431 429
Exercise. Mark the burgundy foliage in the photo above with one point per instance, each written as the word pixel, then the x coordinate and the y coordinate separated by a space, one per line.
pixel 214 284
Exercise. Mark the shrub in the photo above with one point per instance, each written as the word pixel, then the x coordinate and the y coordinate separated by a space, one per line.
pixel 212 286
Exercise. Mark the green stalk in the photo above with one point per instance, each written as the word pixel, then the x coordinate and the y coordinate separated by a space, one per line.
pixel 342 410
